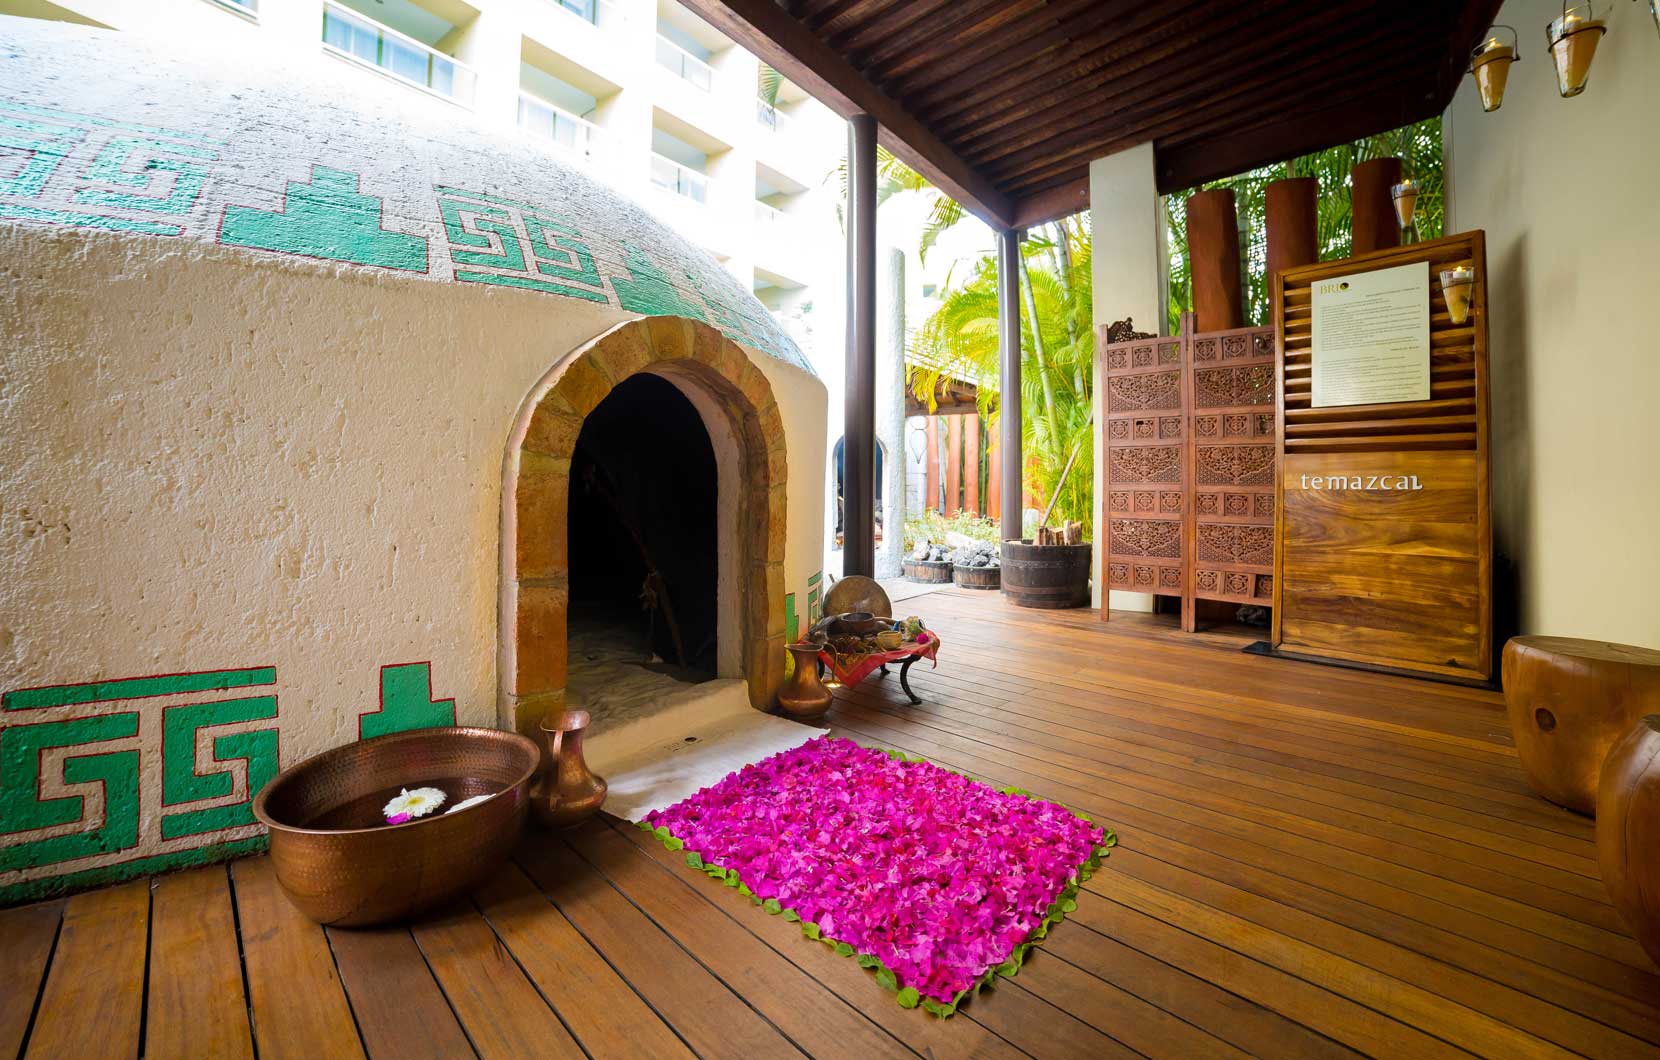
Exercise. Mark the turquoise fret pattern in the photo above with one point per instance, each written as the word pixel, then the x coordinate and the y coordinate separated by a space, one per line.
pixel 513 244
pixel 90 172
pixel 327 217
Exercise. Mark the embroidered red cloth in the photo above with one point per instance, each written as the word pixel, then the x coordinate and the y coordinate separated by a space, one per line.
pixel 851 669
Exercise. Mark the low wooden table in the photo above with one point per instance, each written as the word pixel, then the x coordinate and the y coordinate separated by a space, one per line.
pixel 862 666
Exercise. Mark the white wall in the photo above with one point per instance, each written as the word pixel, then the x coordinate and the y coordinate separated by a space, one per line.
pixel 1565 190
pixel 1126 277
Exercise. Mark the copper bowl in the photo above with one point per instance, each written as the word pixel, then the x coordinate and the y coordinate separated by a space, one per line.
pixel 858 624
pixel 337 860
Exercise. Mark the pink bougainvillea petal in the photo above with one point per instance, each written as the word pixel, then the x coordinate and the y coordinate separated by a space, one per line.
pixel 938 877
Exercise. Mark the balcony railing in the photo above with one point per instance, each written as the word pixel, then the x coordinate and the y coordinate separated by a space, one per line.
pixel 542 119
pixel 769 217
pixel 602 13
pixel 241 7
pixel 670 175
pixel 684 64
pixel 362 40
pixel 770 116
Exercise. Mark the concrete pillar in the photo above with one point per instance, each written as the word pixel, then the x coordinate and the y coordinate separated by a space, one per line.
pixel 890 410
pixel 1128 279
pixel 1008 385
pixel 490 44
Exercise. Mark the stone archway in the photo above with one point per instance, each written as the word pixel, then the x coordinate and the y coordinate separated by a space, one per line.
pixel 535 587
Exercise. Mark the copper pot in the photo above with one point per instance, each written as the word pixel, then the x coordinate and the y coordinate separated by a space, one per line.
pixel 566 791
pixel 340 863
pixel 804 696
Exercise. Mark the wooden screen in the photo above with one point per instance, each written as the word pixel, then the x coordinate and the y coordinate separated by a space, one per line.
pixel 1188 438
pixel 1368 573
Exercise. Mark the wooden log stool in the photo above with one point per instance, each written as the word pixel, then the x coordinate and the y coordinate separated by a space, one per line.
pixel 1628 831
pixel 1569 702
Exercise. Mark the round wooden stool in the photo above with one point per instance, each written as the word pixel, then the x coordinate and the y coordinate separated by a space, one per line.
pixel 1569 701
pixel 1628 831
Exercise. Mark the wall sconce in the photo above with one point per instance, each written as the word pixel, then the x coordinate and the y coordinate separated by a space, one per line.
pixel 1457 284
pixel 1573 40
pixel 1405 197
pixel 1490 64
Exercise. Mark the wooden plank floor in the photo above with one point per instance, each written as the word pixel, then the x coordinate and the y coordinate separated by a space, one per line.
pixel 1313 862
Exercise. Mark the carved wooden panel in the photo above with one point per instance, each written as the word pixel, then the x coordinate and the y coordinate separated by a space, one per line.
pixel 1189 472
pixel 1231 389
pixel 1144 436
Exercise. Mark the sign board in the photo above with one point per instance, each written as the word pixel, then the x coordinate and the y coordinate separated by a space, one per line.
pixel 1371 337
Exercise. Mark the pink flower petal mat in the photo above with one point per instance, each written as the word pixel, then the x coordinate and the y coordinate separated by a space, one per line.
pixel 935 881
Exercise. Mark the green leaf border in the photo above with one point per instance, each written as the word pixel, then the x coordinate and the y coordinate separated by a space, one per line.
pixel 907 996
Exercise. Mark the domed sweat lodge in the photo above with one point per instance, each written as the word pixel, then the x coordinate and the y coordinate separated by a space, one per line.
pixel 323 423
pixel 439 612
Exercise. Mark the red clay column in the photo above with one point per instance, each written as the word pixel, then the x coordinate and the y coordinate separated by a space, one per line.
pixel 1290 208
pixel 1373 221
pixel 932 501
pixel 1213 254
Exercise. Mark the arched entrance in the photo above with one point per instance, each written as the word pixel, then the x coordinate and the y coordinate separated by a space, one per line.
pixel 737 407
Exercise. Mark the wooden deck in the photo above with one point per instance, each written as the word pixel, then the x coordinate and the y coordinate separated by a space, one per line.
pixel 1312 862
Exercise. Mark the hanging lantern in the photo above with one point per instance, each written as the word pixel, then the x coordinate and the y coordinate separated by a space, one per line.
pixel 1457 284
pixel 1405 197
pixel 1654 9
pixel 1490 64
pixel 1573 40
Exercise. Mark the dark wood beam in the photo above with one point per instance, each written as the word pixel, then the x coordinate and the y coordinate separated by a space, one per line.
pixel 859 410
pixel 767 30
pixel 1051 204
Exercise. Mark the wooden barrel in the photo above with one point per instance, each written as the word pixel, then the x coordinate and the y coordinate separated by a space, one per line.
pixel 922 570
pixel 1046 575
pixel 977 577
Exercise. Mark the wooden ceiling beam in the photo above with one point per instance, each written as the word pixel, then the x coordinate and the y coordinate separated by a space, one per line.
pixel 1049 204
pixel 1265 74
pixel 768 31
pixel 1058 24
pixel 975 22
pixel 1212 61
pixel 1291 137
pixel 826 17
pixel 878 24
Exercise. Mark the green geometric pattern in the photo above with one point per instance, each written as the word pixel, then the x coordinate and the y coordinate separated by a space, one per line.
pixel 513 244
pixel 815 605
pixel 23 810
pixel 328 218
pixel 647 291
pixel 180 783
pixel 406 702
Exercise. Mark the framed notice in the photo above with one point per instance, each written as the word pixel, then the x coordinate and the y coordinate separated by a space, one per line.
pixel 1371 337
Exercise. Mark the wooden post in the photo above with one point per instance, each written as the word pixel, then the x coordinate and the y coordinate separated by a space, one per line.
pixel 1292 235
pixel 931 502
pixel 1008 319
pixel 994 477
pixel 971 463
pixel 859 413
pixel 1373 219
pixel 1213 255
pixel 953 464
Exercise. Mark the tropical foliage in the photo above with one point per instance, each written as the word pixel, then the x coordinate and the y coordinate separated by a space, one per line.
pixel 1419 148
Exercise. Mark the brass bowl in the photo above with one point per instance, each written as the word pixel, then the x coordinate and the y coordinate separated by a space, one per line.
pixel 858 624
pixel 340 864
pixel 858 593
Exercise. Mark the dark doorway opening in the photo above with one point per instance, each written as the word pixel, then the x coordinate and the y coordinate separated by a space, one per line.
pixel 643 533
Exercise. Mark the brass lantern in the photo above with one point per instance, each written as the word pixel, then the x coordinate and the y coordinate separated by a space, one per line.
pixel 1573 40
pixel 1490 65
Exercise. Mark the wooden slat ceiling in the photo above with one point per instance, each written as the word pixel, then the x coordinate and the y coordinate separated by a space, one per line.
pixel 1003 103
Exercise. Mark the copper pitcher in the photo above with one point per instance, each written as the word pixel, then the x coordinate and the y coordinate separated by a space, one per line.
pixel 804 696
pixel 566 791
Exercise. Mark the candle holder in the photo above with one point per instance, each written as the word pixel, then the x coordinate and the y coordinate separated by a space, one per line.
pixel 1405 198
pixel 1490 65
pixel 1457 285
pixel 1573 40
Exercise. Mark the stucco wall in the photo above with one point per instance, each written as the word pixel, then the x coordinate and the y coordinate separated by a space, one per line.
pixel 271 472
pixel 1564 189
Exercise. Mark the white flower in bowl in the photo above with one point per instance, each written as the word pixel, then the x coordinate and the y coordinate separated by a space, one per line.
pixel 408 805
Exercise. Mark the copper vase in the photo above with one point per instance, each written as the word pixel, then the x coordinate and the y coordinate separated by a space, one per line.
pixel 566 791
pixel 804 696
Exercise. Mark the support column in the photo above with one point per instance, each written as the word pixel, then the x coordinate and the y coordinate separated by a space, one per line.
pixel 1293 237
pixel 1372 218
pixel 1213 257
pixel 1008 387
pixel 859 419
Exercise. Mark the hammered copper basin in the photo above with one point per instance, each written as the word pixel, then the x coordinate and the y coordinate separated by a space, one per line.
pixel 340 864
